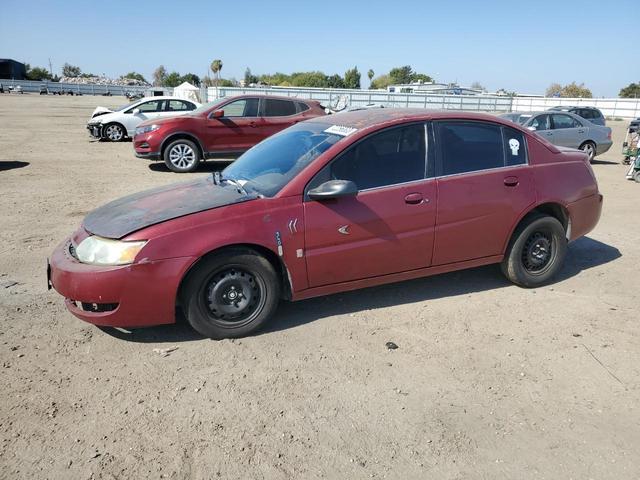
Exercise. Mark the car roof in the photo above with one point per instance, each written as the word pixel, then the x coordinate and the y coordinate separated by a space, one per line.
pixel 164 97
pixel 275 97
pixel 365 118
pixel 569 107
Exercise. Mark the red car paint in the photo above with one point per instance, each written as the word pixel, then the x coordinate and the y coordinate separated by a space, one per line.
pixel 222 136
pixel 420 228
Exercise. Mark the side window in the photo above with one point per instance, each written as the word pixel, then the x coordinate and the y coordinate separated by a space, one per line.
pixel 153 106
pixel 469 147
pixel 393 156
pixel 541 122
pixel 247 107
pixel 515 148
pixel 302 107
pixel 564 121
pixel 279 108
pixel 177 106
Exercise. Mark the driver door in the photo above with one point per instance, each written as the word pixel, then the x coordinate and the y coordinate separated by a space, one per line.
pixel 389 226
pixel 237 130
pixel 148 111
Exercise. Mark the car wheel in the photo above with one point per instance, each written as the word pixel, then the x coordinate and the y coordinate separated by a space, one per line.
pixel 230 294
pixel 182 156
pixel 590 149
pixel 113 132
pixel 536 251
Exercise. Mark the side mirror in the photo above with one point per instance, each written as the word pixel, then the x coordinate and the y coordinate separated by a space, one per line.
pixel 136 111
pixel 218 114
pixel 333 189
pixel 533 129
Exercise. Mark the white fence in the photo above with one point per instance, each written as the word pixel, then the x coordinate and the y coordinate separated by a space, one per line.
pixel 33 86
pixel 626 108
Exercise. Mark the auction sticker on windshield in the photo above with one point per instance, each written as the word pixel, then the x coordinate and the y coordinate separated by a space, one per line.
pixel 340 130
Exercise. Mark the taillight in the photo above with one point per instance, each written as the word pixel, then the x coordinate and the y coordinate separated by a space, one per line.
pixel 609 135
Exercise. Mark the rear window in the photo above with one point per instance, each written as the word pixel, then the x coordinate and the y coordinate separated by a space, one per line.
pixel 302 107
pixel 515 148
pixel 279 108
pixel 469 146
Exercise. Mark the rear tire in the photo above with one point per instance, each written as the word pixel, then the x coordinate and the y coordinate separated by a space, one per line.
pixel 590 149
pixel 182 156
pixel 230 294
pixel 536 251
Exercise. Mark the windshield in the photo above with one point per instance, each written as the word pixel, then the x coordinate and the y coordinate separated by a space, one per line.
pixel 207 106
pixel 271 164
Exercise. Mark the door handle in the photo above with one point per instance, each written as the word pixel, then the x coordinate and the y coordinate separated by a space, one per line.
pixel 548 134
pixel 253 124
pixel 580 131
pixel 414 199
pixel 511 181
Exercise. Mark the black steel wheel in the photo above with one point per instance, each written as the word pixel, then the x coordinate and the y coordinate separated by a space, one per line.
pixel 231 293
pixel 536 251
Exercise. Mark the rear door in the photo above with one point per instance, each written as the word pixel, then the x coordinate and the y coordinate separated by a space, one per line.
pixel 177 107
pixel 484 184
pixel 388 227
pixel 567 130
pixel 237 130
pixel 278 114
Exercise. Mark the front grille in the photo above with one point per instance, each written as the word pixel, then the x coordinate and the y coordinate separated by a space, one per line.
pixel 95 307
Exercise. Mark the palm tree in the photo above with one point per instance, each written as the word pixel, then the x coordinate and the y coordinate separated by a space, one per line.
pixel 216 66
pixel 370 74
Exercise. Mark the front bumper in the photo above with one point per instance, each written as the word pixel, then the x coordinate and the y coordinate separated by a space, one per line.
pixel 148 155
pixel 95 130
pixel 147 145
pixel 137 295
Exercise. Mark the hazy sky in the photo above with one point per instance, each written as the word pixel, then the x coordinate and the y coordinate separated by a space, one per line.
pixel 513 45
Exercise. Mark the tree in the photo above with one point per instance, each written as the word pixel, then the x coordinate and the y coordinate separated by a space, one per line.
pixel 192 78
pixel 401 74
pixel 370 74
pixel 573 90
pixel 249 77
pixel 335 81
pixel 352 78
pixel 478 86
pixel 172 80
pixel 630 91
pixel 135 76
pixel 553 90
pixel 37 73
pixel 216 66
pixel 159 76
pixel 71 70
pixel 381 82
pixel 309 79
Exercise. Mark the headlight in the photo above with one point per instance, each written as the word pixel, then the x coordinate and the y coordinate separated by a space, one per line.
pixel 146 129
pixel 103 251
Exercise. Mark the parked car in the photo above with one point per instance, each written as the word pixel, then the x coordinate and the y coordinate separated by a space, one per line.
pixel 332 204
pixel 634 126
pixel 116 125
pixel 44 90
pixel 590 113
pixel 567 130
pixel 222 129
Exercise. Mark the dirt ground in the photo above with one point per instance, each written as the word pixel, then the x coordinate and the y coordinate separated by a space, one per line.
pixel 489 380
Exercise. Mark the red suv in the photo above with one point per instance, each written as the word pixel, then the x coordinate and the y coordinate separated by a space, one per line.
pixel 332 204
pixel 222 129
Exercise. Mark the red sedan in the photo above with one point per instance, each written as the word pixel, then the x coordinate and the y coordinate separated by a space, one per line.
pixel 332 204
pixel 222 129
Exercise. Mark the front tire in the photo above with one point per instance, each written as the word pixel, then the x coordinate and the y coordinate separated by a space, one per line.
pixel 113 132
pixel 230 294
pixel 590 149
pixel 182 156
pixel 536 251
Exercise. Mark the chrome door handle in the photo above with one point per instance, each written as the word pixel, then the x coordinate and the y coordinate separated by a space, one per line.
pixel 414 199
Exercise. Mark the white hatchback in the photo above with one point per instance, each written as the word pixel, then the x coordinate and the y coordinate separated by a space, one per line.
pixel 116 125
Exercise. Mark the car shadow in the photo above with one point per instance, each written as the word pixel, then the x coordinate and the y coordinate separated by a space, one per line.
pixel 204 167
pixel 584 253
pixel 603 162
pixel 11 164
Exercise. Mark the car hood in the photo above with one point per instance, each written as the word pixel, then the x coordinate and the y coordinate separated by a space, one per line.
pixel 100 111
pixel 134 212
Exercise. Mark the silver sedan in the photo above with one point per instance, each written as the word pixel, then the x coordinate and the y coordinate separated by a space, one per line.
pixel 566 130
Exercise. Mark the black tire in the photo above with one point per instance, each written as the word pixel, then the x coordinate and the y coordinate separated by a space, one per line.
pixel 230 294
pixel 536 251
pixel 113 132
pixel 182 156
pixel 589 148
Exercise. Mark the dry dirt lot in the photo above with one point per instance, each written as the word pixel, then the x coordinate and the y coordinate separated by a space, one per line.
pixel 489 380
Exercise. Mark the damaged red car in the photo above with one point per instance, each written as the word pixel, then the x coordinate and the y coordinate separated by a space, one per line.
pixel 335 203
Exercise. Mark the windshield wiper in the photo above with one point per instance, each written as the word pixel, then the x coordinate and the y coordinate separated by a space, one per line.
pixel 238 185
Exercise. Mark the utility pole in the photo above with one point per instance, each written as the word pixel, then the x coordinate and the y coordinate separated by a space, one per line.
pixel 50 68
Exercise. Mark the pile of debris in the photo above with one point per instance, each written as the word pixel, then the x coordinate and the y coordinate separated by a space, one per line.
pixel 101 80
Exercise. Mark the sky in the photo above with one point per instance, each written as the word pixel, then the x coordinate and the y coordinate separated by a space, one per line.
pixel 518 46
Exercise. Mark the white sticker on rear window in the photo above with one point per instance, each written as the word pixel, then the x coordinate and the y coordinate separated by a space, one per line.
pixel 514 145
pixel 340 130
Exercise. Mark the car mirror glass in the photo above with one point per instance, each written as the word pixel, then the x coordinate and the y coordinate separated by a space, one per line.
pixel 218 114
pixel 532 128
pixel 136 111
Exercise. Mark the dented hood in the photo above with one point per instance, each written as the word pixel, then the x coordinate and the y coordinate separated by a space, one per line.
pixel 134 212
